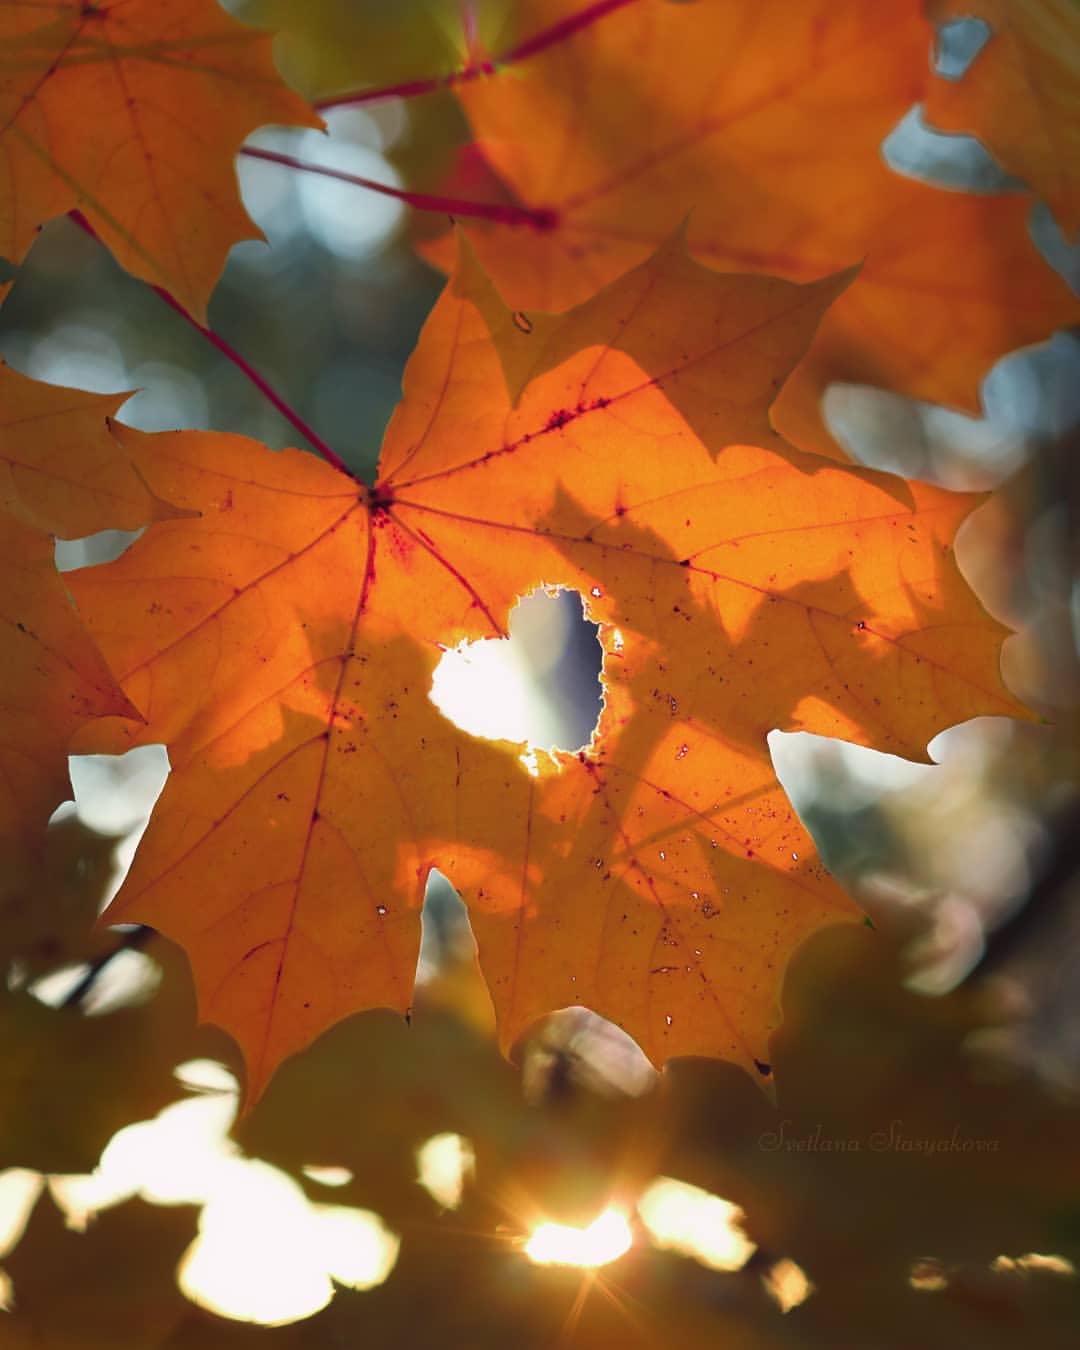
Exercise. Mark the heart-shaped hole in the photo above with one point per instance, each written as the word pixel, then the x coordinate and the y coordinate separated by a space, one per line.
pixel 541 685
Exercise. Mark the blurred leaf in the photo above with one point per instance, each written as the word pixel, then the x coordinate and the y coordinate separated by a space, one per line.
pixel 324 46
pixel 372 1090
pixel 48 903
pixel 1021 95
pixel 110 1288
pixel 68 1082
pixel 892 1142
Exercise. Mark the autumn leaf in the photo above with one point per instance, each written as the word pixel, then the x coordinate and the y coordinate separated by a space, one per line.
pixel 1021 95
pixel 133 113
pixel 282 645
pixel 61 474
pixel 770 140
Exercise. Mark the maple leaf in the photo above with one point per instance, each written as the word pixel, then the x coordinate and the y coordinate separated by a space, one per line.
pixel 132 112
pixel 1020 95
pixel 770 138
pixel 283 646
pixel 61 474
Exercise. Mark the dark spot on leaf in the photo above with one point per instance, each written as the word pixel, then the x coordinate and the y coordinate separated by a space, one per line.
pixel 544 218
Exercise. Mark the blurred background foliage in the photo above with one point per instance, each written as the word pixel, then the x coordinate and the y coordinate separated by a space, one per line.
pixel 917 1181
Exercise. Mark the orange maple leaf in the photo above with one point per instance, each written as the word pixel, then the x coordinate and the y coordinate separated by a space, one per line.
pixel 283 646
pixel 1021 95
pixel 132 111
pixel 61 474
pixel 764 122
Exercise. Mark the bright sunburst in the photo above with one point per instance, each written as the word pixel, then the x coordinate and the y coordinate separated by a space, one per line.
pixel 557 1244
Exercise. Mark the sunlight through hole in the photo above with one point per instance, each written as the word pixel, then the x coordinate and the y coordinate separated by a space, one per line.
pixel 540 686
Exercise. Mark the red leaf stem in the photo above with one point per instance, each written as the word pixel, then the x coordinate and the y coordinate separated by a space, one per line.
pixel 503 213
pixel 548 37
pixel 244 366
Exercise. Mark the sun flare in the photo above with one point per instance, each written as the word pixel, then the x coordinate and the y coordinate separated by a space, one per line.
pixel 604 1240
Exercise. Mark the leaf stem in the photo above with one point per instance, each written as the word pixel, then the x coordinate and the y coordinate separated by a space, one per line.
pixel 261 384
pixel 548 37
pixel 503 213
pixel 243 365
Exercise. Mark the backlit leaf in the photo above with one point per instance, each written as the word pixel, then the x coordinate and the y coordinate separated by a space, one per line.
pixel 283 642
pixel 768 140
pixel 61 474
pixel 132 111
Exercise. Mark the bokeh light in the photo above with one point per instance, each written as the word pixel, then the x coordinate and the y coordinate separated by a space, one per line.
pixel 444 1163
pixel 695 1223
pixel 263 1252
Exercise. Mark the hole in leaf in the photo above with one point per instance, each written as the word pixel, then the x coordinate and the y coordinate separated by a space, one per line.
pixel 446 936
pixel 541 685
